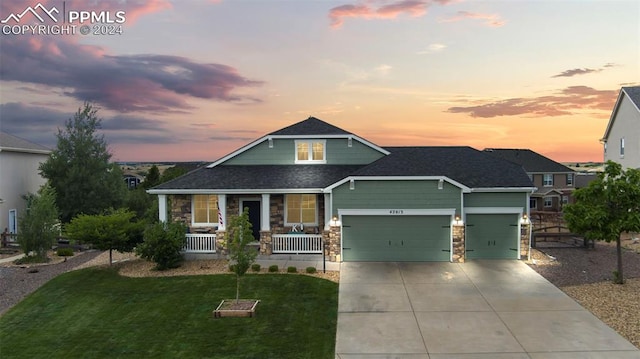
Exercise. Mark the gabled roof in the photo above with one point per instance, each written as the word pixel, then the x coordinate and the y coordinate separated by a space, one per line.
pixel 633 94
pixel 281 178
pixel 464 165
pixel 309 128
pixel 13 143
pixel 532 162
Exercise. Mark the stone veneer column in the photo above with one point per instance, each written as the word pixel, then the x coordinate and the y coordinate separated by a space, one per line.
pixel 458 244
pixel 525 240
pixel 334 244
pixel 221 243
pixel 266 247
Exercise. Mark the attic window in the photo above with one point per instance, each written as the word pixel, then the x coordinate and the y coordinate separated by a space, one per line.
pixel 310 151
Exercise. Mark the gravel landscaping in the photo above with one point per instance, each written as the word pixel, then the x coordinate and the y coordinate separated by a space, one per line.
pixel 584 274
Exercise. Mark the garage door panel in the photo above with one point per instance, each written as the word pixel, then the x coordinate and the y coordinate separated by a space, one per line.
pixel 492 236
pixel 396 238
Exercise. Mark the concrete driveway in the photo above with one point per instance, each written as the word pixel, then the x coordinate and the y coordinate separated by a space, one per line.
pixel 479 309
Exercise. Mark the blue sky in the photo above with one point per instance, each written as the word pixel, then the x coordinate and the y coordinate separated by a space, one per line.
pixel 194 80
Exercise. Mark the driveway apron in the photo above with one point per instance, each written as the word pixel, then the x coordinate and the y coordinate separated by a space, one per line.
pixel 479 309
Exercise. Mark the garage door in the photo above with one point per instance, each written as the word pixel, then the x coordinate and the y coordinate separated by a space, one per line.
pixel 492 236
pixel 396 238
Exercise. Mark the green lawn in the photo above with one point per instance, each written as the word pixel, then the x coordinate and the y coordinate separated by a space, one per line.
pixel 95 313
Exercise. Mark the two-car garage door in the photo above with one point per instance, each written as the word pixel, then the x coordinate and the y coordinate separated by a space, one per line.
pixel 396 238
pixel 424 238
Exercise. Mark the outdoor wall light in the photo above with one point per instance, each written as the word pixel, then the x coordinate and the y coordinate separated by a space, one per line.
pixel 457 220
pixel 524 219
pixel 271 143
pixel 440 183
pixel 334 222
pixel 352 184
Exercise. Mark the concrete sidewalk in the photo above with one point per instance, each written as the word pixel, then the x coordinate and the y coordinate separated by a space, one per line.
pixel 299 261
pixel 479 309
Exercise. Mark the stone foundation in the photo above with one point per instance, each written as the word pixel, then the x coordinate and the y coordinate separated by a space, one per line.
pixel 333 244
pixel 525 240
pixel 265 243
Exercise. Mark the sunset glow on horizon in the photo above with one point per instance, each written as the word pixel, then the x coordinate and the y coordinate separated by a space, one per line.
pixel 196 80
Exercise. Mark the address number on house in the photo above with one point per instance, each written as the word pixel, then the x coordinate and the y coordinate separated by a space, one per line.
pixel 396 211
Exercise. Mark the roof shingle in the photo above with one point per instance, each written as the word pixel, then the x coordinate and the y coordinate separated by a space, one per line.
pixel 532 162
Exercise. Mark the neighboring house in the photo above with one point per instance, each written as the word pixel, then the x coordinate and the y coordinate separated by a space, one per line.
pixel 19 175
pixel 132 180
pixel 554 181
pixel 621 139
pixel 312 184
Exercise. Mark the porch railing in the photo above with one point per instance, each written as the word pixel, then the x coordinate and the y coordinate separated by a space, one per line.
pixel 296 243
pixel 200 243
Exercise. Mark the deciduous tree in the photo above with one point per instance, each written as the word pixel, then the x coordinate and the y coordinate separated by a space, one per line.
pixel 606 208
pixel 240 235
pixel 39 225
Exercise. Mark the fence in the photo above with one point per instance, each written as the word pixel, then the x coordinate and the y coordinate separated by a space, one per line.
pixel 296 243
pixel 200 243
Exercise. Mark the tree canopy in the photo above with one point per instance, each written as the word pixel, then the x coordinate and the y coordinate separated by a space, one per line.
pixel 607 207
pixel 39 223
pixel 79 168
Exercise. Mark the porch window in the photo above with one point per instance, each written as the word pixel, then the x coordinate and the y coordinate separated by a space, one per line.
pixel 310 151
pixel 205 209
pixel 548 202
pixel 301 208
pixel 547 180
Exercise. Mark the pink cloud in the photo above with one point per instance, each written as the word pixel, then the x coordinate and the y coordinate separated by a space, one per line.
pixel 492 20
pixel 566 102
pixel 413 8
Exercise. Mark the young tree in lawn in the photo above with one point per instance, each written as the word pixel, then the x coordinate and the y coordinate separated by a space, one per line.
pixel 240 235
pixel 606 208
pixel 79 170
pixel 39 223
pixel 107 231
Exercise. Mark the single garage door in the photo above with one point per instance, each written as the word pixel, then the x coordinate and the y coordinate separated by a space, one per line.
pixel 492 236
pixel 396 238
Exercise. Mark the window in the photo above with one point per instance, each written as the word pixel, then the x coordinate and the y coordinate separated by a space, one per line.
pixel 301 208
pixel 533 203
pixel 622 147
pixel 547 180
pixel 565 199
pixel 310 151
pixel 570 179
pixel 205 209
pixel 548 202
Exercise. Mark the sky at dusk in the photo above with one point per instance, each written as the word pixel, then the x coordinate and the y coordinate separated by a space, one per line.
pixel 195 80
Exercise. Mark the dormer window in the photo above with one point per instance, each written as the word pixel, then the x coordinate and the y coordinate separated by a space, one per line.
pixel 310 151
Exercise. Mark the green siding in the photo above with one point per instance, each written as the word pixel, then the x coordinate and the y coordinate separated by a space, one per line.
pixel 396 238
pixel 283 153
pixel 396 194
pixel 492 236
pixel 501 199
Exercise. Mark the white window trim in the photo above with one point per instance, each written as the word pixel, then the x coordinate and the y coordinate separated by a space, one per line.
pixel 570 183
pixel 193 213
pixel 286 211
pixel 543 180
pixel 544 202
pixel 309 160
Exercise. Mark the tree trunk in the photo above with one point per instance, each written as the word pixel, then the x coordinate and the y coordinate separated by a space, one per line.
pixel 237 289
pixel 619 279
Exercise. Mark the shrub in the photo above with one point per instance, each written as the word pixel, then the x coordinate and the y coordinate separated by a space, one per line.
pixel 64 252
pixel 311 270
pixel 255 267
pixel 163 243
pixel 232 267
pixel 273 268
pixel 292 270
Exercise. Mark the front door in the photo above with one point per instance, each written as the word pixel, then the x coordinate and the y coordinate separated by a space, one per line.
pixel 254 216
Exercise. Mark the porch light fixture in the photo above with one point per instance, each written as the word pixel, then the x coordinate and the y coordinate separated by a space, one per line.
pixel 441 184
pixel 525 219
pixel 457 220
pixel 334 221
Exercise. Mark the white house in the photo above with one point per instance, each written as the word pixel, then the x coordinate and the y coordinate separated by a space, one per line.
pixel 621 139
pixel 19 175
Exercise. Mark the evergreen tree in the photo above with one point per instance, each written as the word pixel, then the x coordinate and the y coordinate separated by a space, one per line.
pixel 79 170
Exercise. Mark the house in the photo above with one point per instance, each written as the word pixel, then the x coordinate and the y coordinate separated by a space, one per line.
pixel 19 175
pixel 554 181
pixel 621 139
pixel 313 185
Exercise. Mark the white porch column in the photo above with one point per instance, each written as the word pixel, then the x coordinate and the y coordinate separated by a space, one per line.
pixel 162 208
pixel 327 210
pixel 222 207
pixel 265 224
